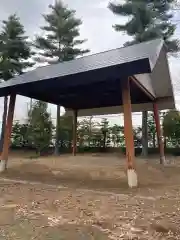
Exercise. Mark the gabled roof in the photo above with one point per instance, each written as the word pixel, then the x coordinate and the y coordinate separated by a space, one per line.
pixel 91 81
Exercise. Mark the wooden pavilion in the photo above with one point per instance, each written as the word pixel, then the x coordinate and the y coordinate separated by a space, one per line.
pixel 134 78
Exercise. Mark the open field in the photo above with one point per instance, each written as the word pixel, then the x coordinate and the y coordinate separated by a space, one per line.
pixel 86 197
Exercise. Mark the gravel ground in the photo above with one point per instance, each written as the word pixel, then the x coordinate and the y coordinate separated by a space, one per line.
pixel 98 207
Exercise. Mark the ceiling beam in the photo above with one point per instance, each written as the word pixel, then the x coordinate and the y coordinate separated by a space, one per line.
pixel 139 85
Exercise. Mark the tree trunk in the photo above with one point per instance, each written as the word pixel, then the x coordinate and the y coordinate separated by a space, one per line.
pixel 165 142
pixel 154 140
pixel 56 150
pixel 104 140
pixel 144 134
pixel 4 117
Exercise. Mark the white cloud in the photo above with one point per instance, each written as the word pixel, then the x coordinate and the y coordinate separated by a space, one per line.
pixel 101 4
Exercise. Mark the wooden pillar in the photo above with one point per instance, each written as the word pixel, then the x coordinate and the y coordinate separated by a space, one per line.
pixel 128 133
pixel 74 132
pixel 7 135
pixel 159 133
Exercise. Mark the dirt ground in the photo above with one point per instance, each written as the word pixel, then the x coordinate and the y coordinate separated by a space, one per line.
pixel 86 197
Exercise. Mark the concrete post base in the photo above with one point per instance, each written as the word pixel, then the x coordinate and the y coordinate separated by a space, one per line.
pixel 132 178
pixel 163 160
pixel 2 166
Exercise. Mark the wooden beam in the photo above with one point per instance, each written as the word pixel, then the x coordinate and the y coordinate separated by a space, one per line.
pixel 128 133
pixel 74 132
pixel 139 85
pixel 7 135
pixel 159 133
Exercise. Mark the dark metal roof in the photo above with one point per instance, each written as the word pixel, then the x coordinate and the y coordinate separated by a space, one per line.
pixel 89 81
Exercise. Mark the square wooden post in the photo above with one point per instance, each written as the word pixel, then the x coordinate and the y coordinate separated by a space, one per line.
pixel 159 133
pixel 128 133
pixel 74 132
pixel 7 134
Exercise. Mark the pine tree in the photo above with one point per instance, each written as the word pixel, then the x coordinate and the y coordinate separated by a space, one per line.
pixel 15 52
pixel 60 42
pixel 40 127
pixel 171 127
pixel 105 132
pixel 147 20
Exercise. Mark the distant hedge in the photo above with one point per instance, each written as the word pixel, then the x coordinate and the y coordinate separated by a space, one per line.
pixel 151 151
